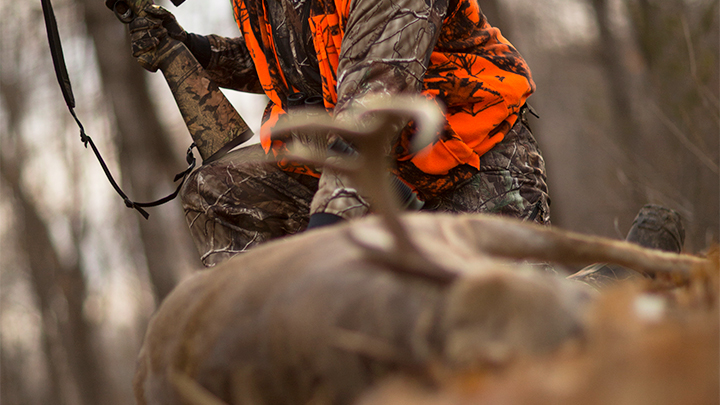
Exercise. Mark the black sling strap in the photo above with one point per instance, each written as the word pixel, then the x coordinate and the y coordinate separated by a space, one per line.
pixel 66 87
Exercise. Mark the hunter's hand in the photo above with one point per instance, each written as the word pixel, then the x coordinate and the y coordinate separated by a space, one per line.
pixel 147 33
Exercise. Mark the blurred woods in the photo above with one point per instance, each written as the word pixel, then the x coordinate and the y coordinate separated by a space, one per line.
pixel 628 99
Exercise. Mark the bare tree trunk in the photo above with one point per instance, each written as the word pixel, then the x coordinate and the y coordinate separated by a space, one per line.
pixel 679 46
pixel 495 14
pixel 13 390
pixel 52 281
pixel 629 131
pixel 146 157
pixel 618 82
pixel 649 39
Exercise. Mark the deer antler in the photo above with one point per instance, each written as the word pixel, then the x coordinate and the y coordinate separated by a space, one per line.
pixel 369 133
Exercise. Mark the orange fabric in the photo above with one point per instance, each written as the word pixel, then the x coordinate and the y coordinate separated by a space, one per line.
pixel 481 85
pixel 327 37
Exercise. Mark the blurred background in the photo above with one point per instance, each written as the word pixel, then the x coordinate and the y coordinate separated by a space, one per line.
pixel 628 95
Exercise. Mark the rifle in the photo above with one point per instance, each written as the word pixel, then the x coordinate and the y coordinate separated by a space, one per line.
pixel 214 124
pixel 212 136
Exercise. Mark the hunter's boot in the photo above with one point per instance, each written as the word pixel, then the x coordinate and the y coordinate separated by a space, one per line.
pixel 655 227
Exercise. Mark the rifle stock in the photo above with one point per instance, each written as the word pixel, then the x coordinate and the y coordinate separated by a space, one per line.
pixel 214 124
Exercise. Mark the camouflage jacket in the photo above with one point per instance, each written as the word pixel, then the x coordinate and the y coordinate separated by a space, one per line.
pixel 346 50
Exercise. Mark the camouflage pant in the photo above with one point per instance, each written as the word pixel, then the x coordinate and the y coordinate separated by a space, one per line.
pixel 511 181
pixel 241 200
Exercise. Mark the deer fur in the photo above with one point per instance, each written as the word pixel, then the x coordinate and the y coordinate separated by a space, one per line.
pixel 322 316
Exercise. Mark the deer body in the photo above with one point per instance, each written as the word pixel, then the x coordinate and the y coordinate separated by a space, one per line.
pixel 323 315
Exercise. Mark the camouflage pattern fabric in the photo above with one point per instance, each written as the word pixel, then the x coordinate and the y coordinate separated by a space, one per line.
pixel 654 227
pixel 230 65
pixel 511 181
pixel 337 196
pixel 241 200
pixel 445 50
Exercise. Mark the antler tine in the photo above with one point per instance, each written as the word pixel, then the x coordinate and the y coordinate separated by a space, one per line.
pixel 319 127
pixel 316 126
pixel 373 178
pixel 427 116
pixel 369 132
pixel 501 237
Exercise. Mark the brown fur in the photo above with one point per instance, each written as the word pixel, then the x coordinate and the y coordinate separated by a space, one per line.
pixel 322 316
pixel 629 356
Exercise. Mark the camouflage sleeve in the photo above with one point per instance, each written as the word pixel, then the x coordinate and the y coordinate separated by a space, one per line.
pixel 386 48
pixel 231 66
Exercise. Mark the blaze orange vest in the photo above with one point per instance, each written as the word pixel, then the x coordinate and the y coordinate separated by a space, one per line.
pixel 482 86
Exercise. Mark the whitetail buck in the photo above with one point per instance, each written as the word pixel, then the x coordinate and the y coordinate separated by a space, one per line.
pixel 322 316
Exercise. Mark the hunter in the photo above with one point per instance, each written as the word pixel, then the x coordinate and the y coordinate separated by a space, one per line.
pixel 339 53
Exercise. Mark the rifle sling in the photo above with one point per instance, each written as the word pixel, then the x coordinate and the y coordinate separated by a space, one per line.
pixel 66 87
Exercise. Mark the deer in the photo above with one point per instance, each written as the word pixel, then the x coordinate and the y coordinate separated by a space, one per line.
pixel 325 315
